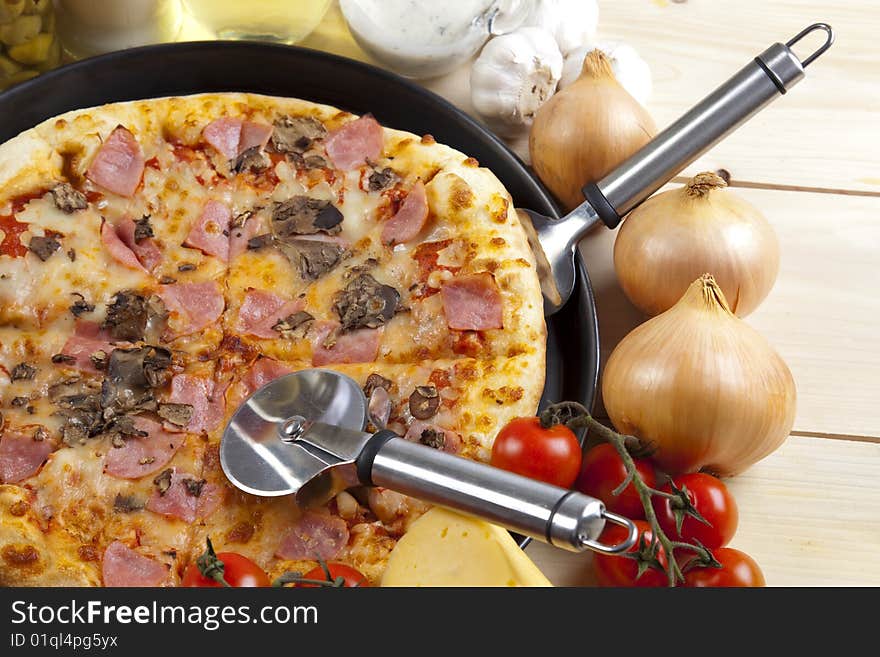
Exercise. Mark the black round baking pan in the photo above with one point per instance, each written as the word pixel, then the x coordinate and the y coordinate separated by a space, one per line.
pixel 213 66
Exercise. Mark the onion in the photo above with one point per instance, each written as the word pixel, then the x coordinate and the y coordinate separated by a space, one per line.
pixel 675 236
pixel 631 71
pixel 586 130
pixel 701 386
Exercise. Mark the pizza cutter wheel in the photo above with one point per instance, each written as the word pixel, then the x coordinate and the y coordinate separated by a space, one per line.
pixel 303 435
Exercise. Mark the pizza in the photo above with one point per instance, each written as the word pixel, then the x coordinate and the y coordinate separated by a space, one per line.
pixel 160 260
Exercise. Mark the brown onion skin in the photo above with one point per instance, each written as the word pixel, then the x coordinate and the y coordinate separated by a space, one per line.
pixel 701 386
pixel 677 235
pixel 586 130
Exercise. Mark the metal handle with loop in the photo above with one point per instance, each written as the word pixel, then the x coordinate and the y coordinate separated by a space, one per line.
pixel 767 77
pixel 815 27
pixel 623 546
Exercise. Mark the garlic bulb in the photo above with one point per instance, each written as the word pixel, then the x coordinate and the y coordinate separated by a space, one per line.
pixel 630 70
pixel 571 22
pixel 513 76
pixel 701 386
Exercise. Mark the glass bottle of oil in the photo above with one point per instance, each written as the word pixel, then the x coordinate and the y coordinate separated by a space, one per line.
pixel 91 27
pixel 282 21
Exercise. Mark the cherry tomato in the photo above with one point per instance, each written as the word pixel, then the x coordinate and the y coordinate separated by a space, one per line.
pixel 710 497
pixel 737 569
pixel 603 471
pixel 614 570
pixel 351 577
pixel 238 571
pixel 525 447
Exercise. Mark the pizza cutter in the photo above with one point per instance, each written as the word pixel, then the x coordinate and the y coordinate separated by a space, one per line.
pixel 770 75
pixel 303 435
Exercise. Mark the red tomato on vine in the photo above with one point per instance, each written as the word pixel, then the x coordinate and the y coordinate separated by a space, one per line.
pixel 550 454
pixel 712 500
pixel 603 471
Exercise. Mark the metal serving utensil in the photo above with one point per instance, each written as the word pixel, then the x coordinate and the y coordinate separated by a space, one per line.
pixel 768 76
pixel 303 435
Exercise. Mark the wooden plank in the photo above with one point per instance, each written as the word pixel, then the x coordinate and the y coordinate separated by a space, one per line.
pixel 809 515
pixel 821 135
pixel 823 314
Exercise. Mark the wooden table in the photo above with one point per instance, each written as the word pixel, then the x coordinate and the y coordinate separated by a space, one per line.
pixel 809 513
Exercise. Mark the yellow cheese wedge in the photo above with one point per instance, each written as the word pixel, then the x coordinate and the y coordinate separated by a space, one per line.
pixel 443 548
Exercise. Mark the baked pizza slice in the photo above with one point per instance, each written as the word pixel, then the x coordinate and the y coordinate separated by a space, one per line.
pixel 105 215
pixel 116 510
pixel 70 495
pixel 422 402
pixel 457 405
pixel 279 536
pixel 406 251
pixel 51 259
pixel 100 457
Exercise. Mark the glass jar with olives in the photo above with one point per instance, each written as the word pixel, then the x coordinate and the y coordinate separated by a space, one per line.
pixel 28 45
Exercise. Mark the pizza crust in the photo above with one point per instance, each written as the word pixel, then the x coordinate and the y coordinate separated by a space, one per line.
pixel 23 159
pixel 31 557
